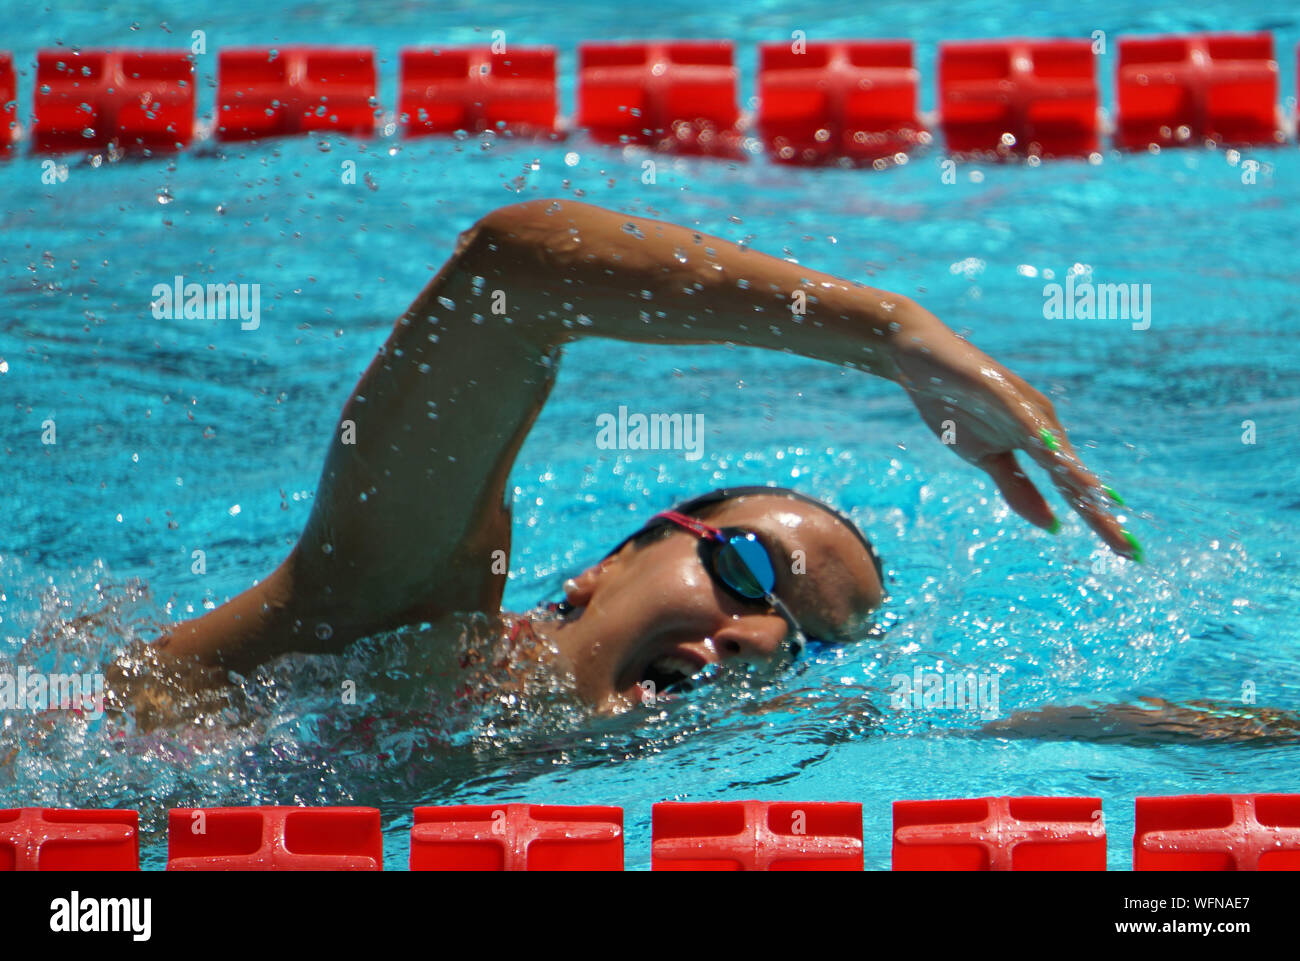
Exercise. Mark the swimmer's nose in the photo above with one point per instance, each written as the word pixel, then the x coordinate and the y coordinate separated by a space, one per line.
pixel 757 639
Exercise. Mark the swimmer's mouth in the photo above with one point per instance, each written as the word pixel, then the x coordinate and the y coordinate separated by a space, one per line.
pixel 672 670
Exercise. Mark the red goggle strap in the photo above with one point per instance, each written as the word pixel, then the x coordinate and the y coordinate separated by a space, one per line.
pixel 692 524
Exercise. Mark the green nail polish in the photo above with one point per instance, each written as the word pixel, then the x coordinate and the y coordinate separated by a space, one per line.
pixel 1048 440
pixel 1138 554
pixel 1110 492
pixel 1055 527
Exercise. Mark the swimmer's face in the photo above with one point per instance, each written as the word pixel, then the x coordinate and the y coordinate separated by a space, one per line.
pixel 653 612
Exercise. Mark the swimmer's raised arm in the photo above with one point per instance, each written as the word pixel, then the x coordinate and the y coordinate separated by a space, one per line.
pixel 645 280
pixel 410 509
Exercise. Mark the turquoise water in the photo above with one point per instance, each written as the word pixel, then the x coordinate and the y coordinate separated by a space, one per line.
pixel 192 434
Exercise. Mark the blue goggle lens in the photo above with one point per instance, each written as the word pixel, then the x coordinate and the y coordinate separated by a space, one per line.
pixel 744 564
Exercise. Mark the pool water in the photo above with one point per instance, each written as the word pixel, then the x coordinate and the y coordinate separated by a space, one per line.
pixel 179 435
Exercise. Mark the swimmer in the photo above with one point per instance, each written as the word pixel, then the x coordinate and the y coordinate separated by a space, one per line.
pixel 412 500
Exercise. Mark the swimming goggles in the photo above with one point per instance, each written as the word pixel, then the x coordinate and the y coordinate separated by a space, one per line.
pixel 738 561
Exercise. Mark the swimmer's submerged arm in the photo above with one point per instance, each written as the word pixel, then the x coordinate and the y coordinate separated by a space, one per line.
pixel 409 521
pixel 1151 722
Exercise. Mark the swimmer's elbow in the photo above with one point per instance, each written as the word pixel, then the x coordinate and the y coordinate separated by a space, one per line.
pixel 521 214
pixel 525 223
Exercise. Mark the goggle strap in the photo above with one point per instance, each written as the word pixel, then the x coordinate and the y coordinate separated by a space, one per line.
pixel 798 640
pixel 692 524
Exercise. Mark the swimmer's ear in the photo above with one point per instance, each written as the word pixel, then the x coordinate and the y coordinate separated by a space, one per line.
pixel 578 590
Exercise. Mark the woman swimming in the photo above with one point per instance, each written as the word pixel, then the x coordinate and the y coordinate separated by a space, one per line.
pixel 410 521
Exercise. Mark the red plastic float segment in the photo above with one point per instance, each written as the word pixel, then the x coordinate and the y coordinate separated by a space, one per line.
pixel 473 89
pixel 1217 832
pixel 756 836
pixel 274 839
pixel 517 837
pixel 1176 90
pixel 277 92
pixel 57 839
pixel 839 99
pixel 1041 92
pixel 1000 834
pixel 8 102
pixel 134 98
pixel 674 95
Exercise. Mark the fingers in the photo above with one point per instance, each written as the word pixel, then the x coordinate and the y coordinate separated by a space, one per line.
pixel 1027 421
pixel 1082 489
pixel 1045 440
pixel 1019 491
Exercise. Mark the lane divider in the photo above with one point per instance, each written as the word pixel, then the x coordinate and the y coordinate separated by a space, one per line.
pixel 292 90
pixel 1218 832
pixel 61 839
pixel 1000 834
pixel 1175 90
pixel 474 89
pixel 836 101
pixel 8 103
pixel 677 95
pixel 1035 96
pixel 840 99
pixel 517 837
pixel 274 839
pixel 144 98
pixel 1213 832
pixel 756 836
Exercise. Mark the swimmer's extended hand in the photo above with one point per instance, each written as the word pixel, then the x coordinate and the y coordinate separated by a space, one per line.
pixel 987 412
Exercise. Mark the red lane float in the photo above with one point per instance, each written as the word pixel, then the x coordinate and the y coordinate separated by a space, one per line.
pixel 1043 93
pixel 517 837
pixel 1217 832
pixel 8 102
pixel 838 99
pixel 54 839
pixel 290 90
pixel 1215 86
pixel 135 98
pixel 473 89
pixel 756 836
pixel 1000 834
pixel 674 95
pixel 274 839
